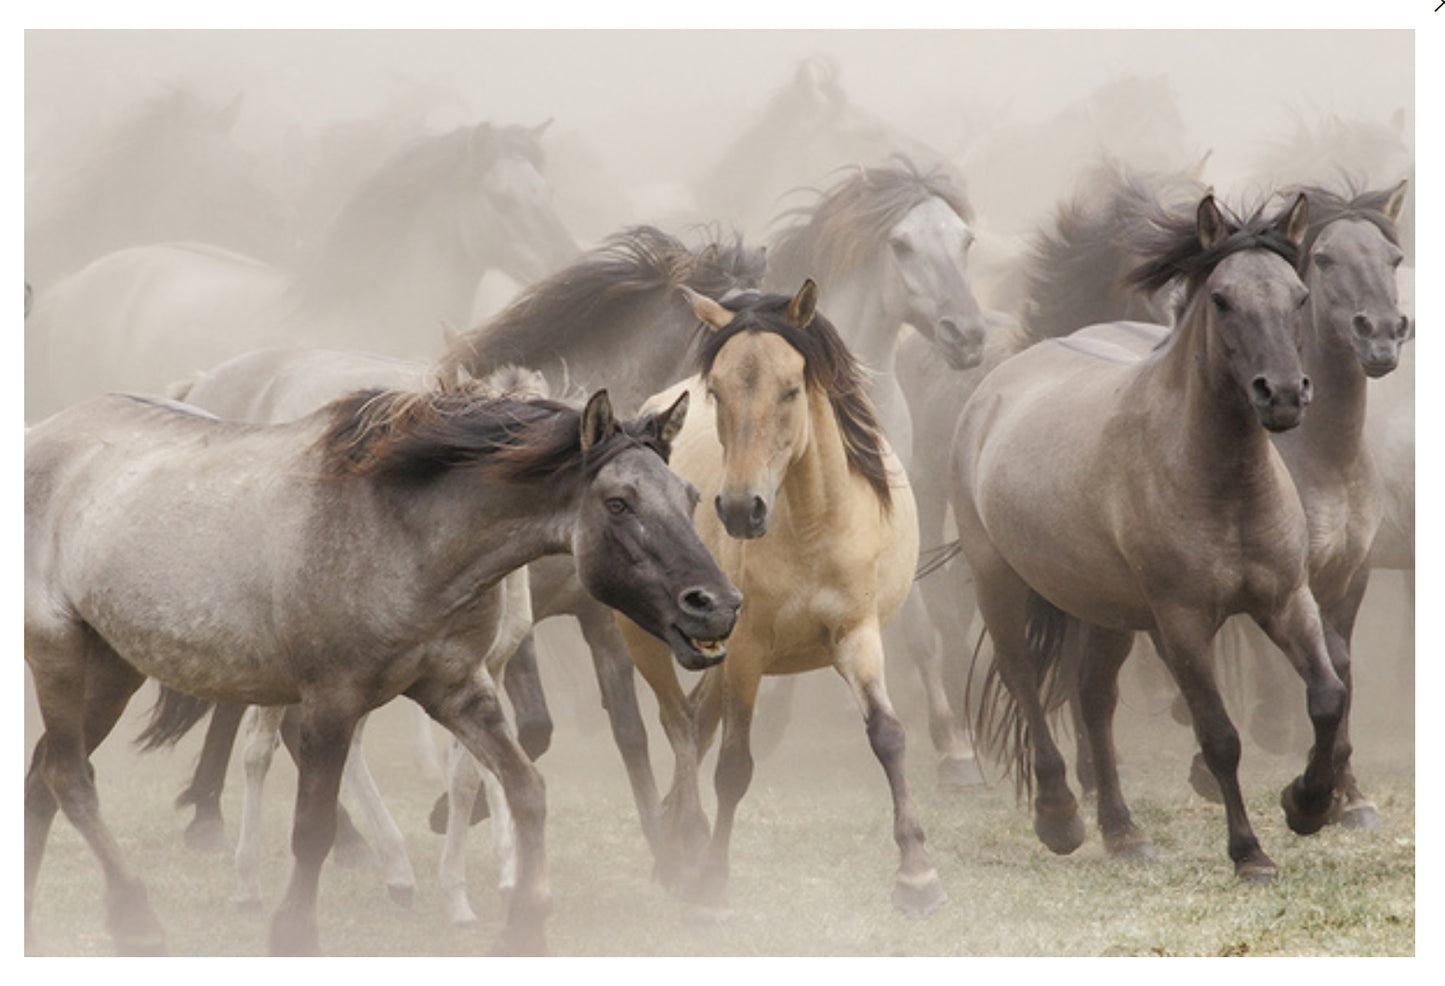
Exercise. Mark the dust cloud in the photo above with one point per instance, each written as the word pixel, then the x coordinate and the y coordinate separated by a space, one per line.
pixel 637 124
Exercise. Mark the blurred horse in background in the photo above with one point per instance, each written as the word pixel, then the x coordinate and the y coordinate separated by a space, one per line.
pixel 399 263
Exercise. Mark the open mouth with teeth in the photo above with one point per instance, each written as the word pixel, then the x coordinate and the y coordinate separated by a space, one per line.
pixel 696 653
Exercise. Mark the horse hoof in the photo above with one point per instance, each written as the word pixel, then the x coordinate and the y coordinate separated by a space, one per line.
pixel 918 896
pixel 207 835
pixel 1359 815
pixel 1256 871
pixel 958 772
pixel 1303 815
pixel 1201 778
pixel 1133 847
pixel 1062 834
pixel 401 895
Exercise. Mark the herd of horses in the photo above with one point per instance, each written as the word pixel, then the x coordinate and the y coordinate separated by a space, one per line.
pixel 295 486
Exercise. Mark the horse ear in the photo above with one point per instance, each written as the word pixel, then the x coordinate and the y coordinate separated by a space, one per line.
pixel 711 313
pixel 1209 222
pixel 804 304
pixel 1395 204
pixel 598 423
pixel 670 422
pixel 1297 222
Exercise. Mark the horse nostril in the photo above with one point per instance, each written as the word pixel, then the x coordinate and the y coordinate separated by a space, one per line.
pixel 1306 391
pixel 760 511
pixel 1361 324
pixel 698 601
pixel 1263 392
pixel 1403 330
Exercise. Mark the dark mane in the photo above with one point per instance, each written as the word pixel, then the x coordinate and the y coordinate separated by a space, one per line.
pixel 850 221
pixel 1326 206
pixel 827 364
pixel 1074 268
pixel 601 290
pixel 1171 241
pixel 403 436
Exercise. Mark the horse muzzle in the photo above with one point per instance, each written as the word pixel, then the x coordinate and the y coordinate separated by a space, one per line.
pixel 744 514
pixel 960 341
pixel 1280 404
pixel 706 617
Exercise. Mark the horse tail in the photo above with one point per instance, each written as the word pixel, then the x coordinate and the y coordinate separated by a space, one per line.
pixel 172 716
pixel 933 559
pixel 997 719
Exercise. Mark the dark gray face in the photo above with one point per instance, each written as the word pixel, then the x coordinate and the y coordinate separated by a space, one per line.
pixel 637 551
pixel 1254 299
pixel 1353 292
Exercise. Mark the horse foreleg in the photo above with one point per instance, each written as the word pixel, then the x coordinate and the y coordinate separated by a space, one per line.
pixel 390 843
pixel 472 710
pixel 1351 809
pixel 736 685
pixel 616 681
pixel 263 734
pixel 207 830
pixel 858 657
pixel 326 724
pixel 684 829
pixel 464 779
pixel 913 632
pixel 523 683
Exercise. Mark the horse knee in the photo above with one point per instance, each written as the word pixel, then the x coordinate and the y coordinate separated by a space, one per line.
pixel 1326 701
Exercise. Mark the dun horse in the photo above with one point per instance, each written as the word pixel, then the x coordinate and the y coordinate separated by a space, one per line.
pixel 1146 495
pixel 809 511
pixel 285 564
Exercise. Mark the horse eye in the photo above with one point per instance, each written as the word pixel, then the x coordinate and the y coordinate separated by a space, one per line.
pixel 616 505
pixel 901 247
pixel 790 394
pixel 1324 261
pixel 1219 302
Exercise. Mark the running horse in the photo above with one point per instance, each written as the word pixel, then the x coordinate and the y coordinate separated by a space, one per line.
pixel 808 510
pixel 336 562
pixel 1103 494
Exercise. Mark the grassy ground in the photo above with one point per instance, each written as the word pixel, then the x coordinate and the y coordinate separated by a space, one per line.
pixel 813 856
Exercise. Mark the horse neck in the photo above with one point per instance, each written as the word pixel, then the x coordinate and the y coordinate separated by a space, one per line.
pixel 869 318
pixel 1333 427
pixel 472 532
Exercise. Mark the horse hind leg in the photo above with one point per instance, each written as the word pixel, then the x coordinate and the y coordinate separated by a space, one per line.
pixel 82 690
pixel 350 848
pixel 206 831
pixel 917 891
pixel 913 632
pixel 464 779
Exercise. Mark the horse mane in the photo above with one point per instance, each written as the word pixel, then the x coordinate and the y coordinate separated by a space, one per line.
pixel 849 222
pixel 414 436
pixel 602 290
pixel 827 363
pixel 1327 205
pixel 1170 239
pixel 1074 268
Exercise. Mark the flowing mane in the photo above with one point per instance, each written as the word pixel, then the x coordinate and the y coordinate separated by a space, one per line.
pixel 849 222
pixel 600 292
pixel 401 436
pixel 827 363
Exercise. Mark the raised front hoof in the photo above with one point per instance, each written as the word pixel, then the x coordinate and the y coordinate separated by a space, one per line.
pixel 1304 814
pixel 401 895
pixel 1257 870
pixel 207 835
pixel 1202 779
pixel 956 773
pixel 1062 832
pixel 918 895
pixel 1132 846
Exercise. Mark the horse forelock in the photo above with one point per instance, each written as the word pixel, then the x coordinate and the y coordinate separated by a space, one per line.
pixel 1172 242
pixel 850 221
pixel 827 365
